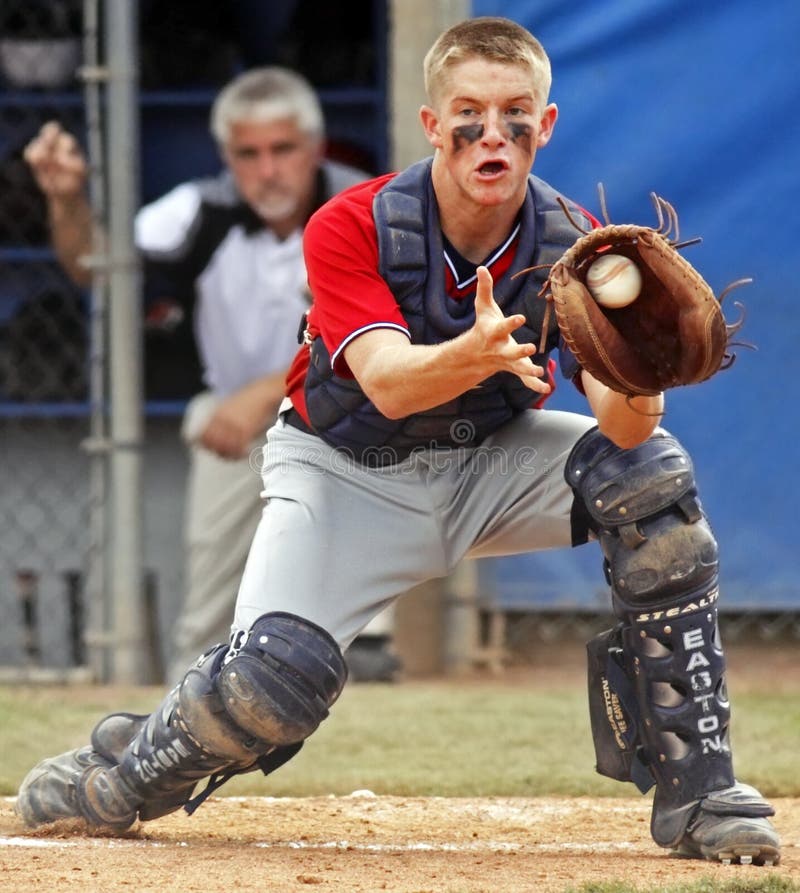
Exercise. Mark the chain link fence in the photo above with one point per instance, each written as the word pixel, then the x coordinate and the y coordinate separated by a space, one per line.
pixel 74 507
pixel 44 349
pixel 65 513
pixel 523 631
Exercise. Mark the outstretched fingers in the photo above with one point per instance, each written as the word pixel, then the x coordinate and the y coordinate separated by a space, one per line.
pixel 496 331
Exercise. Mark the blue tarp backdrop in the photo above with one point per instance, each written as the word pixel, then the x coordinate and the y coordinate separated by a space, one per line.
pixel 699 102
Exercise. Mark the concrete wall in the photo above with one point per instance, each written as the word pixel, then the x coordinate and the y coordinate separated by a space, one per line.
pixel 414 26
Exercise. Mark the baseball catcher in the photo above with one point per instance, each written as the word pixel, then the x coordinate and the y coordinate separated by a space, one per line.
pixel 419 361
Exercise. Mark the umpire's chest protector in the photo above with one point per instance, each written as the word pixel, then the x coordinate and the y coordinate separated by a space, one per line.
pixel 411 261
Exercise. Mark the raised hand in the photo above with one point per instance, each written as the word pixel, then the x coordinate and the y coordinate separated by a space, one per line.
pixel 57 162
pixel 494 333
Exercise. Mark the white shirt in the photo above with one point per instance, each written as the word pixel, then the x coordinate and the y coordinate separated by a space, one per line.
pixel 250 289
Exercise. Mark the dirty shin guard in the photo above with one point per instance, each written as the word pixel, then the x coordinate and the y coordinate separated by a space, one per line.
pixel 661 560
pixel 679 668
pixel 241 708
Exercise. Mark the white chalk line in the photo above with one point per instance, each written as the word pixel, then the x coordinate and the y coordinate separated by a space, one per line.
pixel 484 846
pixel 93 842
pixel 470 847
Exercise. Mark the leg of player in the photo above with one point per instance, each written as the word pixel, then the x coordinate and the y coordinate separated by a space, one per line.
pixel 659 705
pixel 241 707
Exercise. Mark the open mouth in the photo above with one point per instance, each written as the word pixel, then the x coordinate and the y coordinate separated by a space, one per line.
pixel 491 167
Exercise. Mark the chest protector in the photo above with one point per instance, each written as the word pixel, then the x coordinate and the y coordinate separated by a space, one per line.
pixel 411 261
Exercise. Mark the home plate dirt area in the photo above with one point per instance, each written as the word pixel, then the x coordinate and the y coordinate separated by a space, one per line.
pixel 366 843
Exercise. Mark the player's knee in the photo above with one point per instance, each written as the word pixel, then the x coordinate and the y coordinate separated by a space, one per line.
pixel 279 679
pixel 204 714
pixel 642 503
pixel 677 561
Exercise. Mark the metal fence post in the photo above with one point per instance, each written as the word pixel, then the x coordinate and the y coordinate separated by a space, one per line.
pixel 126 583
pixel 97 633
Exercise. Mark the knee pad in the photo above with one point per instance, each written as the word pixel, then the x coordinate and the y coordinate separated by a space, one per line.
pixel 642 504
pixel 205 716
pixel 279 678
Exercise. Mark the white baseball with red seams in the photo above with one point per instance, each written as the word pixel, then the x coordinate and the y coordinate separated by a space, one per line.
pixel 614 281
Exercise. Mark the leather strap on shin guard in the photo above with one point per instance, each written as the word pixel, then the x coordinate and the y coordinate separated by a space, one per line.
pixel 614 712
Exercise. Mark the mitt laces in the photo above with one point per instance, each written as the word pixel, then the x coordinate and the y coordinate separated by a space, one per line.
pixel 666 217
pixel 669 229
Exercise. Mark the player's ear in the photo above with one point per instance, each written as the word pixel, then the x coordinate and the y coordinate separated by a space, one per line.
pixel 431 125
pixel 546 124
pixel 318 148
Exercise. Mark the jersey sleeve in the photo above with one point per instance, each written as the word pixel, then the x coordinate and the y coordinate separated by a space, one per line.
pixel 349 295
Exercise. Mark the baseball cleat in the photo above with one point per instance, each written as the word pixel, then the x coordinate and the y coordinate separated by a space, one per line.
pixel 50 792
pixel 716 833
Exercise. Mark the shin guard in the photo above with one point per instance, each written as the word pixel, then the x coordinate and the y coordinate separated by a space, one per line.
pixel 661 561
pixel 238 709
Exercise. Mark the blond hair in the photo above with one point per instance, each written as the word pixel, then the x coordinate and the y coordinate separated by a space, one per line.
pixel 486 37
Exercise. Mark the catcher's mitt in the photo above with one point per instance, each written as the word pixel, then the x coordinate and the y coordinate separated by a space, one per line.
pixel 673 334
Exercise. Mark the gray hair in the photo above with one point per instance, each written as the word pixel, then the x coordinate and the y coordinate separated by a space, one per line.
pixel 265 95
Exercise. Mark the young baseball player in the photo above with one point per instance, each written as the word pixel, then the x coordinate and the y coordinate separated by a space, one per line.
pixel 414 436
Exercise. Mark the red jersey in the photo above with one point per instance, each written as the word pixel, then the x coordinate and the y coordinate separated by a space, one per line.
pixel 349 295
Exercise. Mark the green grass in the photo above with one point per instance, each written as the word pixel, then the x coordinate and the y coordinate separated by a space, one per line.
pixel 419 739
pixel 705 885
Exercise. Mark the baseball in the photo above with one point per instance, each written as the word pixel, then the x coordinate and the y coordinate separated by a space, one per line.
pixel 614 281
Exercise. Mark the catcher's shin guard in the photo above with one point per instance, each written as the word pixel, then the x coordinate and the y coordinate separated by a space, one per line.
pixel 657 682
pixel 246 707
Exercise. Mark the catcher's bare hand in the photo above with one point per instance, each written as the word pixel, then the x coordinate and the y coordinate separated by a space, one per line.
pixel 57 162
pixel 498 347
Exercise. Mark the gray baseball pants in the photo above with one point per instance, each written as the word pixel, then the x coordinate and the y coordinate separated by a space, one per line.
pixel 338 542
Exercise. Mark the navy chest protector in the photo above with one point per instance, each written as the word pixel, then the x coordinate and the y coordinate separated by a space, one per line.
pixel 412 264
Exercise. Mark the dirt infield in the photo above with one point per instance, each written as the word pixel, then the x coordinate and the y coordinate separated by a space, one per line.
pixel 367 843
pixel 404 845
